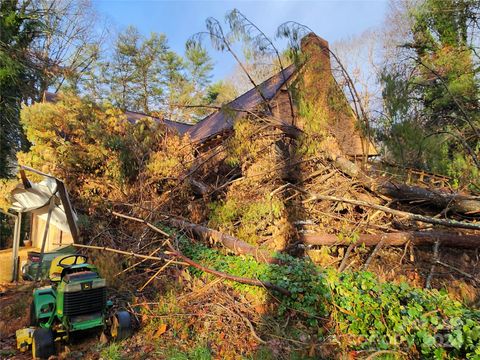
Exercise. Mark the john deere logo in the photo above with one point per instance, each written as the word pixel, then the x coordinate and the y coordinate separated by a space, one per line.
pixel 86 286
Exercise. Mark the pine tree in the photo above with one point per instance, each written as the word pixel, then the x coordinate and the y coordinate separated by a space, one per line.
pixel 431 91
pixel 19 26
pixel 145 75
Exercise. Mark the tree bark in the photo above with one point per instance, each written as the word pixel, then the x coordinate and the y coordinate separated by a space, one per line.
pixel 237 246
pixel 440 199
pixel 199 188
pixel 467 241
pixel 404 214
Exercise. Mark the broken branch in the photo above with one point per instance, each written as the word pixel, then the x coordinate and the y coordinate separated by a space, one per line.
pixel 456 202
pixel 189 262
pixel 151 226
pixel 127 253
pixel 232 243
pixel 404 214
pixel 247 281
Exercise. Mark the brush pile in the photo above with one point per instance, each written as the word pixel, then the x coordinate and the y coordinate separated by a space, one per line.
pixel 259 238
pixel 259 193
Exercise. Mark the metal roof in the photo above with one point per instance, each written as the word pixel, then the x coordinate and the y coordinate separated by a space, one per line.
pixel 35 198
pixel 223 119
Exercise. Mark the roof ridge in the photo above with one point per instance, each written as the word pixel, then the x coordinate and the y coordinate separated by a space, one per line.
pixel 159 118
pixel 253 88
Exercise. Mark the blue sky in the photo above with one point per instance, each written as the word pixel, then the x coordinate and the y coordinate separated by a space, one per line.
pixel 333 20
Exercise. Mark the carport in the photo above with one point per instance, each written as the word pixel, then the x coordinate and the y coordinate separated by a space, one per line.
pixel 53 220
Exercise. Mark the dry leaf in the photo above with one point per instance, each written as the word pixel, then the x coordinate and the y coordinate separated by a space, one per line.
pixel 161 329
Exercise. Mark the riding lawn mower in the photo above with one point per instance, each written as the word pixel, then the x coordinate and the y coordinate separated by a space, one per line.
pixel 75 301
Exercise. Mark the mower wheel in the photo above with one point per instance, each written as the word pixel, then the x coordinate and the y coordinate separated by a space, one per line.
pixel 121 327
pixel 32 316
pixel 43 345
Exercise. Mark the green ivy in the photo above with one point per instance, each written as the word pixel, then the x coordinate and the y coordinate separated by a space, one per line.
pixel 375 315
pixel 398 316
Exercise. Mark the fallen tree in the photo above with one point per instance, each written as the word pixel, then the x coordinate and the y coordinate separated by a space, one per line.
pixel 232 243
pixel 404 214
pixel 455 202
pixel 452 201
pixel 467 241
pixel 203 233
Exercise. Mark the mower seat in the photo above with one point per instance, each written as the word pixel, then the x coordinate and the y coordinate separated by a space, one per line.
pixel 55 273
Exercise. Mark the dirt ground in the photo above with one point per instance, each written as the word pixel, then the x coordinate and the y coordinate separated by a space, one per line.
pixel 14 304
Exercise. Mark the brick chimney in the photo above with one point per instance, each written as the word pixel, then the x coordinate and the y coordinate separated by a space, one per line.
pixel 329 110
pixel 316 49
pixel 318 75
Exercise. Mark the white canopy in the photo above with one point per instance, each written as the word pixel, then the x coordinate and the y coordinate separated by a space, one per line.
pixel 36 199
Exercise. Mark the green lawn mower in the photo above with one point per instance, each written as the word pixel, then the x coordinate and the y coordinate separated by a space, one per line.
pixel 75 301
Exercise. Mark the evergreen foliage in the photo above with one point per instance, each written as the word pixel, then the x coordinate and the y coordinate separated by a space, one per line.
pixel 18 28
pixel 95 150
pixel 145 75
pixel 431 99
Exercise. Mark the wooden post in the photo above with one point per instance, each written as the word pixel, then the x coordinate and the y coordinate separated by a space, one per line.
pixel 45 235
pixel 67 206
pixel 16 245
pixel 14 237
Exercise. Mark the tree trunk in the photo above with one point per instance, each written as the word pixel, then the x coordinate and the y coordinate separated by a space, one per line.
pixel 467 241
pixel 440 199
pixel 404 214
pixel 237 246
pixel 199 188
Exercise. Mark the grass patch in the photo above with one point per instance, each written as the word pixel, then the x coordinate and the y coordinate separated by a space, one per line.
pixel 112 352
pixel 197 353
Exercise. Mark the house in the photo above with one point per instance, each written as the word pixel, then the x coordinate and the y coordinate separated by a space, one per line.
pixel 222 121
pixel 314 79
pixel 178 127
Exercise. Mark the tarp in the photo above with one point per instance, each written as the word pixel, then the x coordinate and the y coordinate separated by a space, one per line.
pixel 36 199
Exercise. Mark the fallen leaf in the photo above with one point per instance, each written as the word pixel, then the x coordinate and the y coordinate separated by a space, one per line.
pixel 103 338
pixel 161 329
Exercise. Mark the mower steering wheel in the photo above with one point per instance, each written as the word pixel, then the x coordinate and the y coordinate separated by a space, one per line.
pixel 75 262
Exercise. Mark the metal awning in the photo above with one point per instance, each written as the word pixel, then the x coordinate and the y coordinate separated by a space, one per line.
pixel 36 199
pixel 49 200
